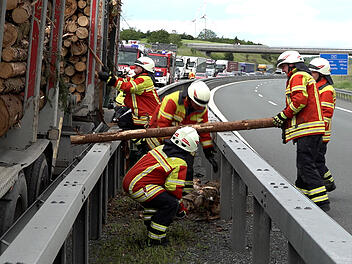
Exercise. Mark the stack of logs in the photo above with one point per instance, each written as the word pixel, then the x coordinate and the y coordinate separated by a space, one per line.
pixel 75 46
pixel 13 62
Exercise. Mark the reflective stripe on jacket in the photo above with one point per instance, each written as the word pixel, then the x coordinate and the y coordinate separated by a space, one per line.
pixel 174 111
pixel 303 108
pixel 155 173
pixel 327 95
pixel 141 96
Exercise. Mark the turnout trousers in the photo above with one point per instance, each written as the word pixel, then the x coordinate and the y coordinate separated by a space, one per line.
pixel 309 180
pixel 321 164
pixel 159 213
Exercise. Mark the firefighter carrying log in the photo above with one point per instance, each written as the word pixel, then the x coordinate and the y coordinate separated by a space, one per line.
pixel 157 180
pixel 185 108
pixel 141 98
pixel 303 123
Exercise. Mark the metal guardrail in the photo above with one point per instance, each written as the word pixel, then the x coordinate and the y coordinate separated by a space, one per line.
pixel 77 208
pixel 344 94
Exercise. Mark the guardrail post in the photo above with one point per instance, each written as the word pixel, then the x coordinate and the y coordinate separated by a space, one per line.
pixel 61 256
pixel 121 167
pixel 293 257
pixel 112 175
pixel 225 188
pixel 80 236
pixel 105 177
pixel 239 209
pixel 261 234
pixel 96 211
pixel 215 176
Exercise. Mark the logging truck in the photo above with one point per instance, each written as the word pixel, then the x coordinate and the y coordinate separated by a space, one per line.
pixel 48 89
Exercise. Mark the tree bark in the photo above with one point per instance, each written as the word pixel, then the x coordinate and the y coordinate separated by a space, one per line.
pixel 12 69
pixel 86 11
pixel 10 35
pixel 71 26
pixel 11 111
pixel 12 85
pixel 169 131
pixel 82 4
pixel 79 48
pixel 11 4
pixel 70 8
pixel 14 54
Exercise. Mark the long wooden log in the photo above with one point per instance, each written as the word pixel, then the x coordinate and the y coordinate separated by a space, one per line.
pixel 168 131
pixel 12 69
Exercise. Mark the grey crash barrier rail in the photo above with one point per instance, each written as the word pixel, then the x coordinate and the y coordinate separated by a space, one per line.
pixel 344 94
pixel 73 213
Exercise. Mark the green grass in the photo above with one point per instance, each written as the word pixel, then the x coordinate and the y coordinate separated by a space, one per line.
pixel 124 236
pixel 343 82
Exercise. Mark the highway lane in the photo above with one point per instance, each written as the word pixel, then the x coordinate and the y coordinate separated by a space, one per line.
pixel 265 98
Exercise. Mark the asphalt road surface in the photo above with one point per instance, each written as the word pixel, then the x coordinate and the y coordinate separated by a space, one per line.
pixel 265 98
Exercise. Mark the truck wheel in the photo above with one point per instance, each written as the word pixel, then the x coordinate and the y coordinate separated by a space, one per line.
pixel 38 178
pixel 13 204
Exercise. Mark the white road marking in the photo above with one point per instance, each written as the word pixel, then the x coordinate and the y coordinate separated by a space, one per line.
pixel 270 102
pixel 260 95
pixel 343 109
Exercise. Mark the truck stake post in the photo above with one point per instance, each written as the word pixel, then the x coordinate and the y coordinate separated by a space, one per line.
pixel 168 131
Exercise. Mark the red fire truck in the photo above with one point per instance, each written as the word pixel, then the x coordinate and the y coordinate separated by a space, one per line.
pixel 164 66
pixel 128 54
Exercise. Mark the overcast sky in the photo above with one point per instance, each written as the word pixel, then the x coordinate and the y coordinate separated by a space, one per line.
pixel 299 23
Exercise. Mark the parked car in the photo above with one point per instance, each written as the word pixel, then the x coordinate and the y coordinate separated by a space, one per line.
pixel 201 75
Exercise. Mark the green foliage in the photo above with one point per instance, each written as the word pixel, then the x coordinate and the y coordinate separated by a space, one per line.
pixel 207 34
pixel 229 56
pixel 131 34
pixel 343 82
pixel 161 36
pixel 175 39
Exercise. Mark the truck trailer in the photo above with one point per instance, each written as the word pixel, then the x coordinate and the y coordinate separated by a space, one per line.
pixel 48 90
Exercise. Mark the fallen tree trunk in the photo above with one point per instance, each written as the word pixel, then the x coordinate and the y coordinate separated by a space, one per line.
pixel 168 131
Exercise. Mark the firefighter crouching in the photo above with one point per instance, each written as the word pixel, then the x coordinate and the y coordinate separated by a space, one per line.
pixel 141 98
pixel 157 180
pixel 185 107
pixel 320 69
pixel 303 123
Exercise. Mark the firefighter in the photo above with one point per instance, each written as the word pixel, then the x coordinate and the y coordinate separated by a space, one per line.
pixel 141 97
pixel 191 75
pixel 320 69
pixel 184 108
pixel 157 179
pixel 303 123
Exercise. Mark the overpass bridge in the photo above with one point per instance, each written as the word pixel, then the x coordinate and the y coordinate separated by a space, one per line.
pixel 262 49
pixel 75 207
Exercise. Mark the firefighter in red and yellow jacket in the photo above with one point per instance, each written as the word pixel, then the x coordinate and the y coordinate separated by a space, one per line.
pixel 157 180
pixel 141 96
pixel 303 123
pixel 185 107
pixel 320 69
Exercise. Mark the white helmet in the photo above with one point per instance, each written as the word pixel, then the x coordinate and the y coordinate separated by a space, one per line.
pixel 186 138
pixel 320 65
pixel 199 93
pixel 146 63
pixel 289 56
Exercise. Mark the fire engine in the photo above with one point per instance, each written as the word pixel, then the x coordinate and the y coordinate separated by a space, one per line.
pixel 128 54
pixel 164 66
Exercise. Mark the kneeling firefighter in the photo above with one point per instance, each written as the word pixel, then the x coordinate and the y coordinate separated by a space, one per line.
pixel 157 181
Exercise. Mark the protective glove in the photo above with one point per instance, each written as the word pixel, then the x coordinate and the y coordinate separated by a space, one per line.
pixel 209 154
pixel 279 120
pixel 182 211
pixel 109 78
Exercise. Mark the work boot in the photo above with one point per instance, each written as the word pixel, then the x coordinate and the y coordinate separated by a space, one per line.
pixel 330 186
pixel 156 242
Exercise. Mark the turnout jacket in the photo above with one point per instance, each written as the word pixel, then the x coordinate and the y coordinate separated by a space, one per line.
pixel 162 169
pixel 141 96
pixel 175 110
pixel 327 95
pixel 303 110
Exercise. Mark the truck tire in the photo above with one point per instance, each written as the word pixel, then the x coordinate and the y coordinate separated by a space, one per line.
pixel 13 204
pixel 38 178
